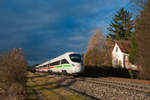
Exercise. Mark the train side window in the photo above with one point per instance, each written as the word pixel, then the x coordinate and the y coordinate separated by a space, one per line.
pixel 41 66
pixel 51 64
pixel 64 61
pixel 55 63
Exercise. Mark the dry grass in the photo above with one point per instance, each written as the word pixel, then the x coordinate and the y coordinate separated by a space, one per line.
pixel 48 88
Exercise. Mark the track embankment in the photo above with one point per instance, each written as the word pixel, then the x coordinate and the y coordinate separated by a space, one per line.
pixel 106 88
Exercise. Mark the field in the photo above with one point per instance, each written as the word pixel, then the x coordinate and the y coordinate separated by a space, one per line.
pixel 42 87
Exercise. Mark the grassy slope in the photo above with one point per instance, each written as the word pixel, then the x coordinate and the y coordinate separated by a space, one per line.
pixel 48 89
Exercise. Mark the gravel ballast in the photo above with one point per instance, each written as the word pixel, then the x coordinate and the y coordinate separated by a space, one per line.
pixel 100 91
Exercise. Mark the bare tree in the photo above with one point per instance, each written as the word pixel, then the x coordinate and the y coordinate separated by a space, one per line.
pixel 109 44
pixel 12 72
pixel 97 40
pixel 138 4
pixel 142 40
pixel 96 45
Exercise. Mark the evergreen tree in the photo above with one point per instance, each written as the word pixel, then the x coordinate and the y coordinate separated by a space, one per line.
pixel 121 28
pixel 132 51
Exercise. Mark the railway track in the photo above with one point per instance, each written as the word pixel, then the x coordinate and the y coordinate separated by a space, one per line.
pixel 123 85
pixel 116 83
pixel 113 83
pixel 144 88
pixel 134 89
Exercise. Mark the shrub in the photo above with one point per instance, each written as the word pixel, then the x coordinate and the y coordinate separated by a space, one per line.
pixel 12 70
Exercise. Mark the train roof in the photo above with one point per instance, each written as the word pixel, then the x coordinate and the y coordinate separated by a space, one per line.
pixel 57 58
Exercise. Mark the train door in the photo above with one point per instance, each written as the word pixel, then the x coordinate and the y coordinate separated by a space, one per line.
pixel 65 65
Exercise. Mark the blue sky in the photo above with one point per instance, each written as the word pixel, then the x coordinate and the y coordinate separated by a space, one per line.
pixel 47 28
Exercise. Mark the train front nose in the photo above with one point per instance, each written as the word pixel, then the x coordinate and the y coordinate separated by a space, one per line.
pixel 79 68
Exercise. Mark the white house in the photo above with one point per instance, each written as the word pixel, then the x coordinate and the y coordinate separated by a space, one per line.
pixel 120 55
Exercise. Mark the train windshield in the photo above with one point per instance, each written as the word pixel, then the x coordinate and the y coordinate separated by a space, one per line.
pixel 75 58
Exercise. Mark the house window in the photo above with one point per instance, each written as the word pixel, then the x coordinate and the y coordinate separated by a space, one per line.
pixel 116 49
pixel 116 61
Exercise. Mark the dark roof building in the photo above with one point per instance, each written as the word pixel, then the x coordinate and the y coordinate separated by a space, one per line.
pixel 124 45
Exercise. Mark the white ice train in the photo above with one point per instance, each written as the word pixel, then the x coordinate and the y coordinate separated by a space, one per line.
pixel 68 63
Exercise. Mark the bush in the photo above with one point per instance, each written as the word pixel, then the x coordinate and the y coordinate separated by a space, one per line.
pixel 12 70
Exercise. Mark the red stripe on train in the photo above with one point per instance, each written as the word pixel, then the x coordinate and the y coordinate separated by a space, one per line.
pixel 51 67
pixel 43 68
pixel 47 68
